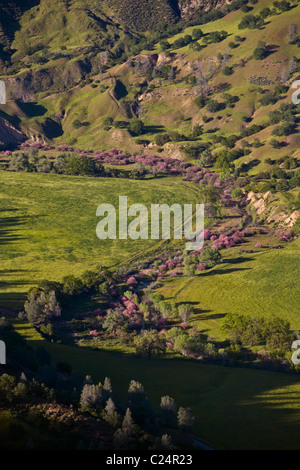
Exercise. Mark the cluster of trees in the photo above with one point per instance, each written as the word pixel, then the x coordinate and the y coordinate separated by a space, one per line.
pixel 215 37
pixel 250 130
pixel 190 343
pixel 282 5
pixel 137 417
pixel 257 21
pixel 153 342
pixel 42 309
pixel 135 126
pixel 251 22
pixel 284 129
pixel 277 180
pixel 69 164
pixel 270 97
pixel 162 139
pixel 174 136
pixel 212 105
pixel 286 115
pixel 274 333
pixel 146 318
pixel 205 258
pixel 44 303
pixel 182 41
pixel 160 31
pixel 286 112
pixel 89 282
pixel 14 391
pixel 46 387
pixel 210 38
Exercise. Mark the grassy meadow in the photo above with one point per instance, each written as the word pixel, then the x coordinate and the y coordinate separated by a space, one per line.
pixel 263 283
pixel 48 225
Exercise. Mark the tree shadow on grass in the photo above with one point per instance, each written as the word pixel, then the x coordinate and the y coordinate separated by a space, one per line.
pixel 212 316
pixel 15 120
pixel 214 272
pixel 13 300
pixel 271 49
pixel 238 260
pixel 153 129
pixel 32 109
pixel 15 283
pixel 7 234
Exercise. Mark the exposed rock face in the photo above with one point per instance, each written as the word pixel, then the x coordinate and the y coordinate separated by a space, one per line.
pixel 258 201
pixel 271 210
pixel 189 7
pixel 292 218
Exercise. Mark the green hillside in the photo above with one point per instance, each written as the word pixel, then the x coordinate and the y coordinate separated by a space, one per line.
pixel 150 92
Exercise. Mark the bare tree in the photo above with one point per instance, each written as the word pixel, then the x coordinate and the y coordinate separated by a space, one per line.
pixel 202 76
pixel 284 76
pixel 292 33
pixel 292 65
pixel 103 61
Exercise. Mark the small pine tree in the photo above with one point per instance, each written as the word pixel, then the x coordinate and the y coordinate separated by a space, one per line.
pixel 34 308
pixel 128 423
pixel 52 308
pixel 110 406
pixel 185 418
pixel 107 388
pixel 107 385
pixel 91 395
pixel 168 410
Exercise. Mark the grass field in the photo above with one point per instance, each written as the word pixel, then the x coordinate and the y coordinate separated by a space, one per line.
pixel 48 225
pixel 264 283
pixel 234 408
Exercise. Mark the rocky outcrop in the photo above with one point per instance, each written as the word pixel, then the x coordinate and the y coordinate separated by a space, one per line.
pixel 258 201
pixel 189 7
pixel 266 207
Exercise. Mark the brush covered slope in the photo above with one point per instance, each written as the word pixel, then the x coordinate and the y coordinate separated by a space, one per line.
pixel 229 75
